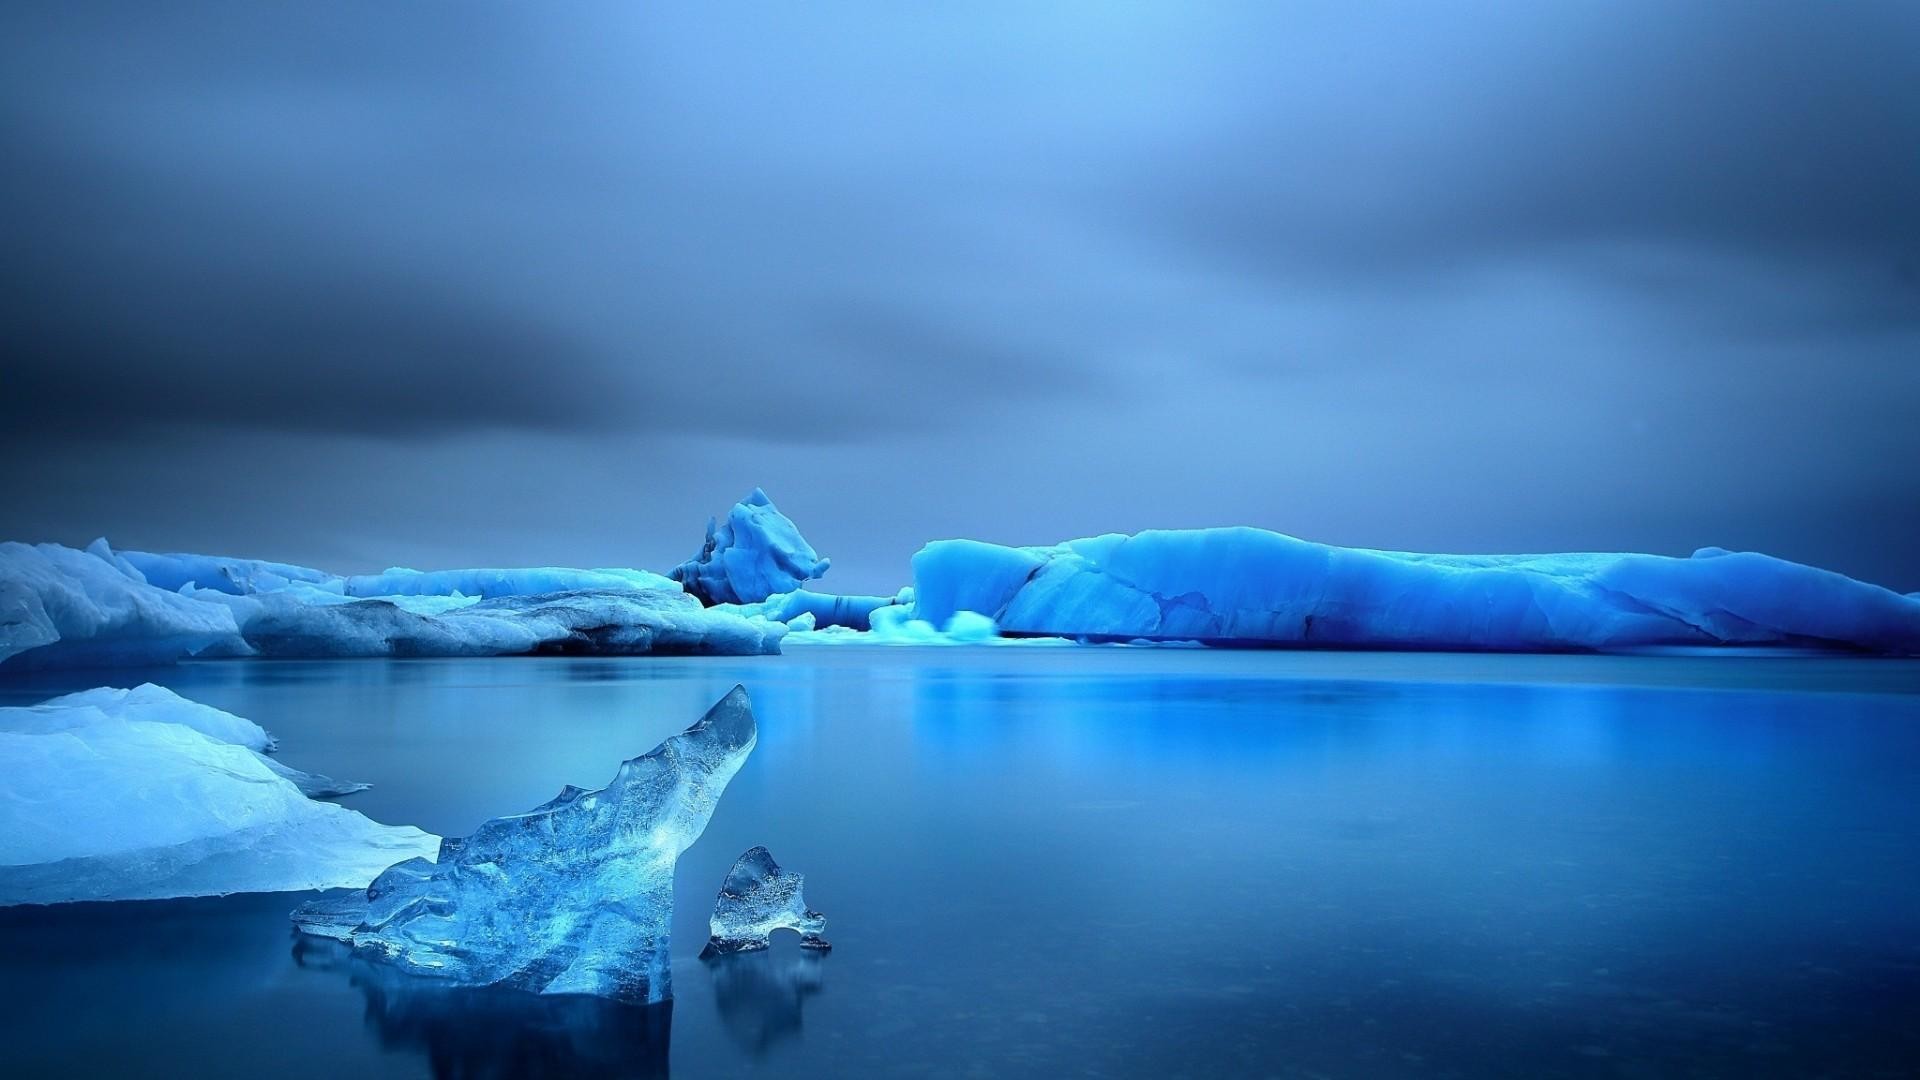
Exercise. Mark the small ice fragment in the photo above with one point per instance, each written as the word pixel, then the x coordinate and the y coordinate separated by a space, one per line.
pixel 757 899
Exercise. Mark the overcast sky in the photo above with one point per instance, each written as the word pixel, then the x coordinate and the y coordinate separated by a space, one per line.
pixel 455 284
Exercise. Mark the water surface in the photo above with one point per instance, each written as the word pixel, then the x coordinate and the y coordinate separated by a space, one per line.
pixel 1099 862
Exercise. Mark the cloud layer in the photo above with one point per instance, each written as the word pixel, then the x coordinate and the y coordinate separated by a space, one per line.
pixel 366 283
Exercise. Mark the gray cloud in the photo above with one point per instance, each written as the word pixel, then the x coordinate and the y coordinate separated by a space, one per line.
pixel 505 284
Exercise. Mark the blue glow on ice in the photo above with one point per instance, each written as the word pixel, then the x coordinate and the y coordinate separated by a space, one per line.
pixel 572 897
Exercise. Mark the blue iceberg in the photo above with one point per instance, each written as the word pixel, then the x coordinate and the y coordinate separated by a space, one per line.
pixel 599 622
pixel 758 898
pixel 1253 587
pixel 138 794
pixel 60 607
pixel 572 897
pixel 752 555
pixel 804 609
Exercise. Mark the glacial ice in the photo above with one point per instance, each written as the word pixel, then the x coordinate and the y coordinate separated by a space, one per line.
pixel 64 607
pixel 140 794
pixel 493 583
pixel 752 555
pixel 1244 585
pixel 758 898
pixel 174 571
pixel 825 609
pixel 615 622
pixel 572 897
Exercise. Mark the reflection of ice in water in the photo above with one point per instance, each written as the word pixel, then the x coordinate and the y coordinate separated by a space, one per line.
pixel 759 995
pixel 480 1033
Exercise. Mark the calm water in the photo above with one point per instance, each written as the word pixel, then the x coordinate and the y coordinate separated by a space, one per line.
pixel 1100 862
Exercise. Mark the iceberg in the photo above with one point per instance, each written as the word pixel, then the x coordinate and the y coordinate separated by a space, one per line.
pixel 141 794
pixel 821 609
pixel 175 572
pixel 572 897
pixel 752 555
pixel 527 581
pixel 615 622
pixel 1251 586
pixel 61 607
pixel 239 577
pixel 758 898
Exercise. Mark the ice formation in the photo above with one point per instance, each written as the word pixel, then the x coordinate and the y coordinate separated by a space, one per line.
pixel 758 898
pixel 1244 585
pixel 598 622
pixel 821 609
pixel 572 897
pixel 752 555
pixel 60 606
pixel 139 794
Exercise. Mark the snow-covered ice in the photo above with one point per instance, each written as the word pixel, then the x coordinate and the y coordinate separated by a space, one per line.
pixel 138 794
pixel 756 552
pixel 1248 585
pixel 616 622
pixel 758 898
pixel 572 897
pixel 63 607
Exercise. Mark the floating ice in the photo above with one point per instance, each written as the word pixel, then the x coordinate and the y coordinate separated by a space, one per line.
pixel 825 609
pixel 752 555
pixel 139 794
pixel 62 607
pixel 526 581
pixel 174 571
pixel 572 897
pixel 68 608
pixel 249 577
pixel 612 622
pixel 758 898
pixel 1252 586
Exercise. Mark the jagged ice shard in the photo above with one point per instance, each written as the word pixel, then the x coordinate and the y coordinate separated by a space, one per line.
pixel 1250 586
pixel 758 898
pixel 756 552
pixel 572 897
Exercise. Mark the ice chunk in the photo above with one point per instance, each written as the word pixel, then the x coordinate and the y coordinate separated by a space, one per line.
pixel 144 702
pixel 758 898
pixel 526 581
pixel 1247 585
pixel 140 794
pixel 239 577
pixel 65 608
pixel 571 897
pixel 621 622
pixel 752 555
pixel 249 577
pixel 826 609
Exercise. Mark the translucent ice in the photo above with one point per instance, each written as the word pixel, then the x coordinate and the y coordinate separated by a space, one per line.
pixel 139 794
pixel 1245 585
pixel 572 897
pixel 758 898
pixel 752 555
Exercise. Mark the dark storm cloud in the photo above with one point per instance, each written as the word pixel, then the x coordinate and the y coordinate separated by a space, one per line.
pixel 1463 275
